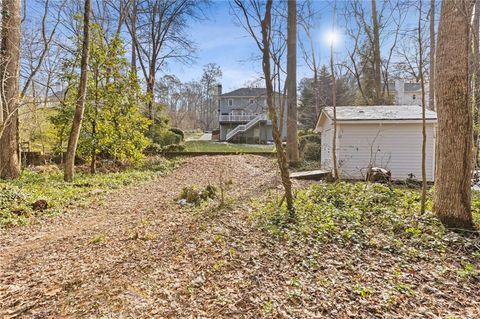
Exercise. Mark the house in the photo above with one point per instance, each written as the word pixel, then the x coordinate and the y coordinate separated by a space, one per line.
pixel 408 93
pixel 243 116
pixel 378 136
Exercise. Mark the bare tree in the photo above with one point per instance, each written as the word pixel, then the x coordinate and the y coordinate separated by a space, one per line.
pixel 80 103
pixel 377 71
pixel 431 85
pixel 334 97
pixel 452 197
pixel 158 31
pixel 47 37
pixel 9 103
pixel 209 110
pixel 292 138
pixel 254 14
pixel 424 128
pixel 307 22
pixel 371 45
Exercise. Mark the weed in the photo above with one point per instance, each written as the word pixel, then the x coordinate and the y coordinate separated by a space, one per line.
pixel 195 195
pixel 468 271
pixel 100 238
pixel 363 291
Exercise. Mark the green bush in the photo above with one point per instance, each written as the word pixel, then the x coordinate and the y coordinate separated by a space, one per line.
pixel 305 132
pixel 194 195
pixel 158 134
pixel 157 149
pixel 174 148
pixel 178 132
pixel 312 152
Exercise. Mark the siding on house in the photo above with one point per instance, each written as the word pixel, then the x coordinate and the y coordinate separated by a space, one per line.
pixel 247 101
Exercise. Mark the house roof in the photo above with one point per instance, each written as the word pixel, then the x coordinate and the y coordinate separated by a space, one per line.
pixel 380 113
pixel 246 92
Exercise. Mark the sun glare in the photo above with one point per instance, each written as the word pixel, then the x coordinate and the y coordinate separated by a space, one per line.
pixel 332 37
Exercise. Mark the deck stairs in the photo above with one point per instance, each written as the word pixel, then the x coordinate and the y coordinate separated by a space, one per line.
pixel 245 127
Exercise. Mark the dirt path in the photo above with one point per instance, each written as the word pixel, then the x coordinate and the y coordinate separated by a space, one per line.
pixel 133 257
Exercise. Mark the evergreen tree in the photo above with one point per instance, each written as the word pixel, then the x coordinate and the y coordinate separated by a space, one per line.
pixel 307 114
pixel 113 125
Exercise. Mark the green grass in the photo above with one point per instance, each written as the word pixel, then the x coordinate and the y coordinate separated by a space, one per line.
pixel 209 146
pixel 193 135
pixel 17 196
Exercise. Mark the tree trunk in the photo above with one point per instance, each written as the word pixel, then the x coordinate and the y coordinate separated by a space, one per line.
pixel 476 78
pixel 93 162
pixel 424 128
pixel 431 85
pixel 281 156
pixel 292 138
pixel 454 167
pixel 80 103
pixel 334 100
pixel 9 69
pixel 134 38
pixel 150 88
pixel 376 55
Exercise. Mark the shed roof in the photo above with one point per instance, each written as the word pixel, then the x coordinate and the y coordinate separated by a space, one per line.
pixel 380 113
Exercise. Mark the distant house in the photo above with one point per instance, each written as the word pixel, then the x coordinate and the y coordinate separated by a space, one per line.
pixel 378 136
pixel 243 116
pixel 408 93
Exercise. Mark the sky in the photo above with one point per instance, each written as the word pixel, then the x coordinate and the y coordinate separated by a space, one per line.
pixel 221 40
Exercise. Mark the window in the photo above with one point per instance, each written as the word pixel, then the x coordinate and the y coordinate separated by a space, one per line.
pixel 252 101
pixel 414 97
pixel 230 102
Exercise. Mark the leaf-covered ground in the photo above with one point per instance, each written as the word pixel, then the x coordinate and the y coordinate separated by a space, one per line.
pixel 142 255
pixel 46 183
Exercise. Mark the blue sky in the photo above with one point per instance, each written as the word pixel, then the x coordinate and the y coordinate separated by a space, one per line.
pixel 221 40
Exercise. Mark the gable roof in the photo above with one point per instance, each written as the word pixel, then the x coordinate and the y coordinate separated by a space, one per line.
pixel 379 113
pixel 246 92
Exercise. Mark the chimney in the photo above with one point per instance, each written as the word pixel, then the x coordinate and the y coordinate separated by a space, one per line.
pixel 219 92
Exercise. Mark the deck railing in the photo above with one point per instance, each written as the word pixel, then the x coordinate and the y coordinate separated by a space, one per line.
pixel 237 118
pixel 245 127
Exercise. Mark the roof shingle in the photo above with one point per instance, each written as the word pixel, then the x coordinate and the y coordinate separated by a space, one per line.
pixel 380 112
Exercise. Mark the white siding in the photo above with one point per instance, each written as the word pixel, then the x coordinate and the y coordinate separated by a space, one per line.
pixel 326 154
pixel 394 146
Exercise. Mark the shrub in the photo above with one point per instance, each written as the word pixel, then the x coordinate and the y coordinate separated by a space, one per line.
pixel 178 131
pixel 156 149
pixel 153 149
pixel 312 152
pixel 194 195
pixel 11 196
pixel 305 132
pixel 158 134
pixel 173 148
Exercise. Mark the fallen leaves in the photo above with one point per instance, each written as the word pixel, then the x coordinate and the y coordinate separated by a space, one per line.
pixel 151 258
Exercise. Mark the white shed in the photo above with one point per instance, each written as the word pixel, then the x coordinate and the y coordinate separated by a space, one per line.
pixel 383 136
